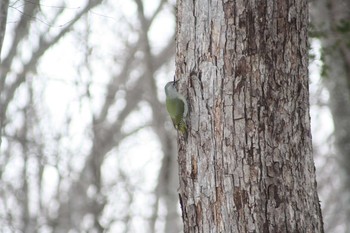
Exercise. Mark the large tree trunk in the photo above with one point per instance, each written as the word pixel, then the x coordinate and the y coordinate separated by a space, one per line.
pixel 332 19
pixel 246 165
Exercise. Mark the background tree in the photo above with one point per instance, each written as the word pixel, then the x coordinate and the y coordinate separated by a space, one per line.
pixel 331 25
pixel 62 163
pixel 247 163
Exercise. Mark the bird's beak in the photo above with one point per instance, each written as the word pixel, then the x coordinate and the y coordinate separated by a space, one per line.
pixel 175 81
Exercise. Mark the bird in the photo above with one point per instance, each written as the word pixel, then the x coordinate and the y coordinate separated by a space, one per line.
pixel 177 107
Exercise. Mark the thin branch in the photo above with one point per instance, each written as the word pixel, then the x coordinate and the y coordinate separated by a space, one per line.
pixel 44 45
pixel 157 11
pixel 116 81
pixel 21 31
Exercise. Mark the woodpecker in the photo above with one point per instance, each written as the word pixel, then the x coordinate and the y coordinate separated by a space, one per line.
pixel 177 107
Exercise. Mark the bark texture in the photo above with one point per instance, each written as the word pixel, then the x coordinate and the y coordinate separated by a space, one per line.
pixel 247 163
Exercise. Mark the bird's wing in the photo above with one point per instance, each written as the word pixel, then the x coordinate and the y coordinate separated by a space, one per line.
pixel 185 105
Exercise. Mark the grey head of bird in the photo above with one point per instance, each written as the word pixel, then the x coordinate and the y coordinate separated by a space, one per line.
pixel 170 90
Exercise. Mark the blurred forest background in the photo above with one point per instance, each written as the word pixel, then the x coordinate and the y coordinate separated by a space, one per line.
pixel 86 144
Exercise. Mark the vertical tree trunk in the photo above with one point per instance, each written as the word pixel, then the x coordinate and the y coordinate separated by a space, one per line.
pixel 4 4
pixel 332 19
pixel 246 165
pixel 3 20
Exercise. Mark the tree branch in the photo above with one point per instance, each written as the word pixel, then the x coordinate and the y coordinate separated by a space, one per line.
pixel 31 65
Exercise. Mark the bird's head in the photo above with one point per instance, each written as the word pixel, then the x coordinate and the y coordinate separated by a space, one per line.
pixel 170 89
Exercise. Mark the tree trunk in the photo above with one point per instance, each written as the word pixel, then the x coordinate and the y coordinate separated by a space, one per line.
pixel 4 4
pixel 246 164
pixel 332 19
pixel 3 20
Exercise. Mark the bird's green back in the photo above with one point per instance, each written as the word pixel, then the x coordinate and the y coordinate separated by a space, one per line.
pixel 176 108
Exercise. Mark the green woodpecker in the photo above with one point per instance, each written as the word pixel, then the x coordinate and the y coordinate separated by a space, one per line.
pixel 177 107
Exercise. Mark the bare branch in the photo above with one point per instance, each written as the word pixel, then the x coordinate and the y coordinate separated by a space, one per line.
pixel 116 81
pixel 31 65
pixel 157 11
pixel 21 31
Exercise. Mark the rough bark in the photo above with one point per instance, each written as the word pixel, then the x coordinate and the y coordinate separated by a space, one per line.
pixel 246 165
pixel 331 20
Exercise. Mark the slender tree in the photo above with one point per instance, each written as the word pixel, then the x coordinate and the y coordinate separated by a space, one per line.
pixel 246 165
pixel 3 17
